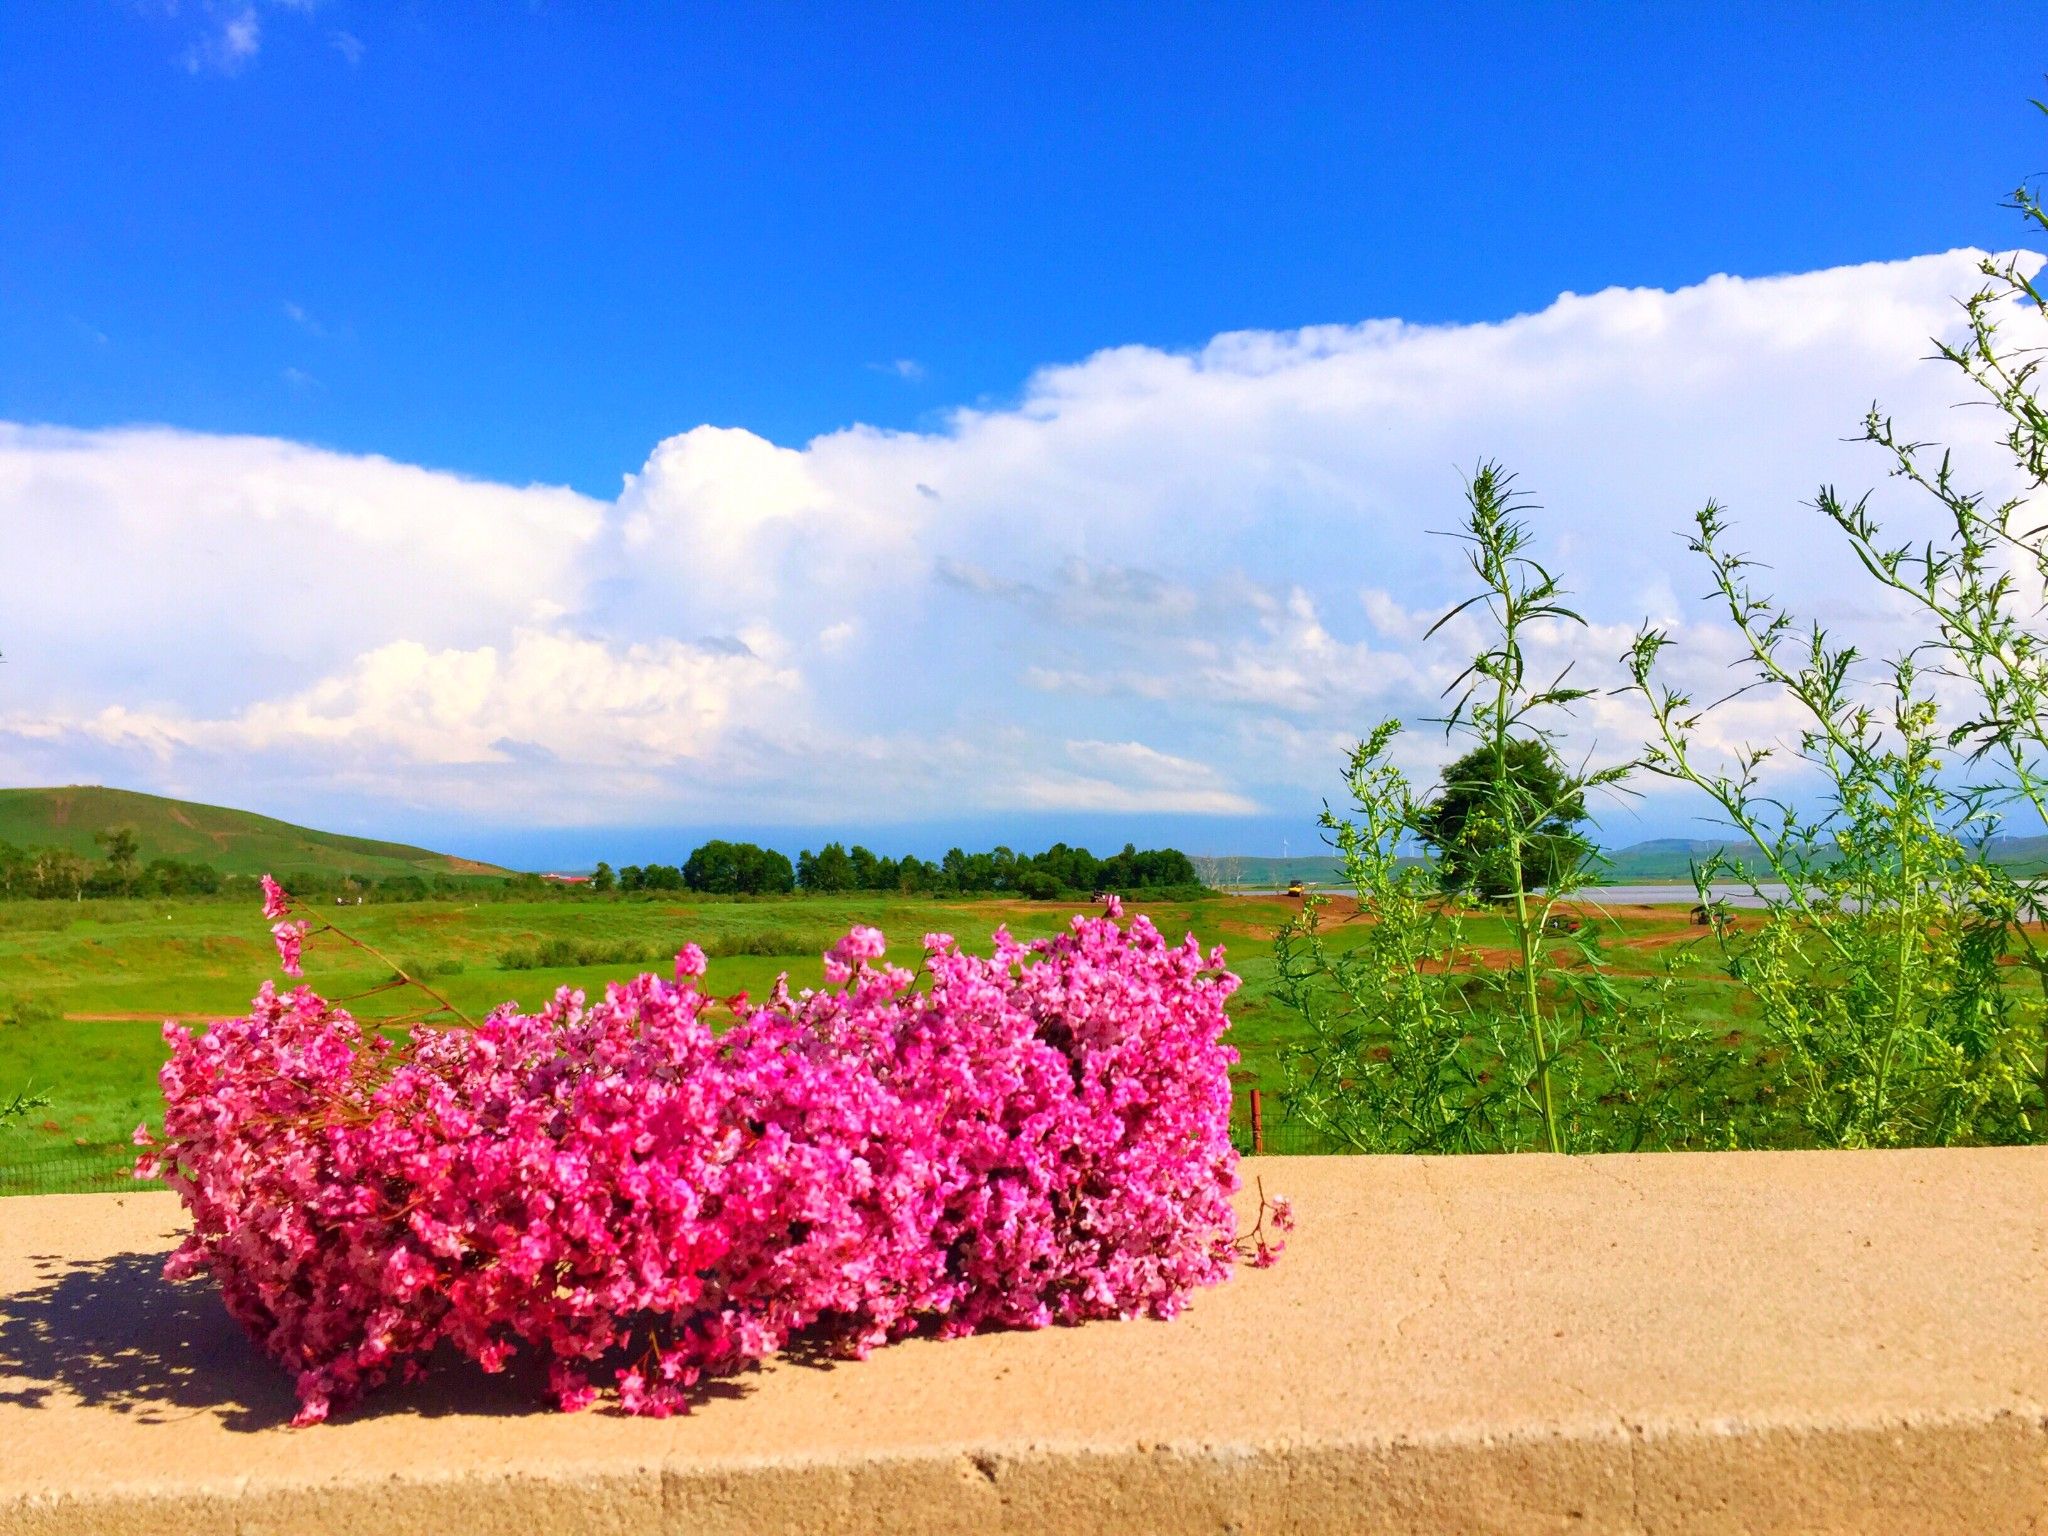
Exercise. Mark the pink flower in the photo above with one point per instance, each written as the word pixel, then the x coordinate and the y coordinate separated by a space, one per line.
pixel 1033 1138
pixel 1283 1213
pixel 290 939
pixel 861 943
pixel 276 903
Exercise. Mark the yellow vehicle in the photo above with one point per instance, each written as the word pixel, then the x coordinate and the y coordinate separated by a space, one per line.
pixel 1294 888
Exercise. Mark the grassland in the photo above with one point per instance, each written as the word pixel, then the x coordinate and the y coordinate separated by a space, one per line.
pixel 233 842
pixel 84 989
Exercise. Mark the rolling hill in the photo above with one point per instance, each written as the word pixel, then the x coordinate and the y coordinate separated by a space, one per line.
pixel 1670 858
pixel 1660 860
pixel 233 842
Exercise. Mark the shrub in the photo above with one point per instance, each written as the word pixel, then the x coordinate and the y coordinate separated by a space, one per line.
pixel 28 1009
pixel 1037 1137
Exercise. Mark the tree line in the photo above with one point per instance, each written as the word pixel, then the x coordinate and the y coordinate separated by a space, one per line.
pixel 60 874
pixel 746 869
pixel 717 867
pixel 53 874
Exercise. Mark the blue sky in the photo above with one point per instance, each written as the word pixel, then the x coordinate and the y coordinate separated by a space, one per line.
pixel 535 247
pixel 530 242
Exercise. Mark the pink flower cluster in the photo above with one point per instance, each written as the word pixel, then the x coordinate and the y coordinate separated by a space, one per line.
pixel 290 937
pixel 1038 1137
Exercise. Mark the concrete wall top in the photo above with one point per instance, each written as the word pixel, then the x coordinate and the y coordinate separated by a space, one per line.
pixel 1731 1342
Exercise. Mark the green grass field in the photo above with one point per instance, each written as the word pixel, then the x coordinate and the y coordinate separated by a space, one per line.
pixel 86 987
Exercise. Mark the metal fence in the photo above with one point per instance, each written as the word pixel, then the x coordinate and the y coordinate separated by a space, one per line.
pixel 67 1171
pixel 1259 1126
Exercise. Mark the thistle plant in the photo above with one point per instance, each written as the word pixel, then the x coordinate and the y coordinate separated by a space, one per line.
pixel 1880 967
pixel 21 1103
pixel 1411 1043
pixel 1877 965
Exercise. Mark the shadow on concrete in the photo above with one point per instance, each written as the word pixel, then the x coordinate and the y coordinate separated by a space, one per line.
pixel 113 1333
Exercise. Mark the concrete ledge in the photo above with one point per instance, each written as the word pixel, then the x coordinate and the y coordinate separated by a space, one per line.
pixel 1731 1343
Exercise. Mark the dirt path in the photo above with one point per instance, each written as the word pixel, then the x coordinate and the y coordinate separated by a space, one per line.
pixel 145 1018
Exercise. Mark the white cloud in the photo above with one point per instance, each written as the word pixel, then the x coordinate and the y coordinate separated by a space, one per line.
pixel 1159 582
pixel 224 37
pixel 146 563
pixel 233 37
pixel 558 703
pixel 1130 777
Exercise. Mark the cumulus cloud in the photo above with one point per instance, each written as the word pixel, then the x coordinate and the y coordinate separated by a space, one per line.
pixel 1129 776
pixel 238 564
pixel 1158 582
pixel 566 697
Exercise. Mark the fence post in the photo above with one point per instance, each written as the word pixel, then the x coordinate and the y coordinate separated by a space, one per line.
pixel 1258 1127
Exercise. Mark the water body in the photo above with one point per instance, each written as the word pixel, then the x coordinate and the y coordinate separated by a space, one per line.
pixel 1679 893
pixel 1646 894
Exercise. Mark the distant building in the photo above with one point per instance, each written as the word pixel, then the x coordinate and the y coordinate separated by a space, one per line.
pixel 568 879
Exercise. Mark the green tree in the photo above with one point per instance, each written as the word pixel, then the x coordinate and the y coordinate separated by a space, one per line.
pixel 602 878
pixel 828 871
pixel 124 852
pixel 1500 791
pixel 714 867
pixel 59 872
pixel 915 875
pixel 954 873
pixel 734 869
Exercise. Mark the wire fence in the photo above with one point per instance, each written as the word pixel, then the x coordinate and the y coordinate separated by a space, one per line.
pixel 1259 1127
pixel 67 1171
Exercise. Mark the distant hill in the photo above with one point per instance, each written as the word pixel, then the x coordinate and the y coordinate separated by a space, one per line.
pixel 1670 858
pixel 233 842
pixel 1259 871
pixel 1660 860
